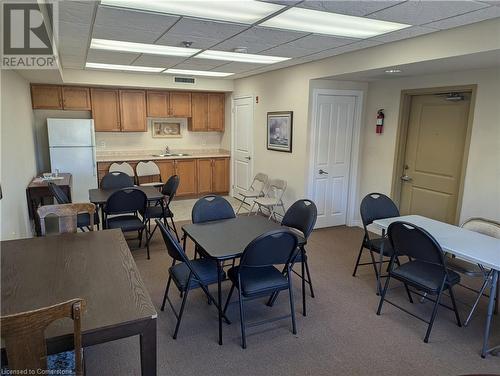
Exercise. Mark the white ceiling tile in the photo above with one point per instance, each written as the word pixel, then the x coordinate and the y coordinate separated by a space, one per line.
pixel 417 12
pixel 344 49
pixel 73 38
pixel 409 32
pixel 130 19
pixel 468 18
pixel 158 61
pixel 351 8
pixel 174 39
pixel 200 64
pixel 111 57
pixel 125 34
pixel 76 11
pixel 257 39
pixel 236 67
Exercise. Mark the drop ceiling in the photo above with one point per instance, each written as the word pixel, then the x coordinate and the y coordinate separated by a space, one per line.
pixel 80 21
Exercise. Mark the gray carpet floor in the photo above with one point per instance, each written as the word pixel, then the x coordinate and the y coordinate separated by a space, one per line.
pixel 340 335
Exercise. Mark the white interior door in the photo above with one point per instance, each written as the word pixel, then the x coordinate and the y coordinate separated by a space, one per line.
pixel 334 124
pixel 242 143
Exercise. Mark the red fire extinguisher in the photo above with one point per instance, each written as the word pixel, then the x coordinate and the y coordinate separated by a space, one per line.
pixel 380 120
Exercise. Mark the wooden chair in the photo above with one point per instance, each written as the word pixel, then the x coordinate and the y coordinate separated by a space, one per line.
pixel 24 337
pixel 67 216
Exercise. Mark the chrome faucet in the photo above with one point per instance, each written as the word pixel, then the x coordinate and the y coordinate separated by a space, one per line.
pixel 167 150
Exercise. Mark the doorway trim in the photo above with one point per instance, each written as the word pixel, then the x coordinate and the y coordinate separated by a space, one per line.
pixel 352 194
pixel 233 159
pixel 402 132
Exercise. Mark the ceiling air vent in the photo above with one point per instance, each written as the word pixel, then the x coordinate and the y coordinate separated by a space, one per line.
pixel 184 80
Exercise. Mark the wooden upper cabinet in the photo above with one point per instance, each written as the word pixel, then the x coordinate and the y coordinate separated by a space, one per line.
pixel 180 104
pixel 133 110
pixel 216 111
pixel 220 175
pixel 105 109
pixel 46 97
pixel 205 175
pixel 186 169
pixel 199 112
pixel 158 103
pixel 76 98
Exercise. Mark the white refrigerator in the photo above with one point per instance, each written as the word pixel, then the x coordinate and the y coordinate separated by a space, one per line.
pixel 72 149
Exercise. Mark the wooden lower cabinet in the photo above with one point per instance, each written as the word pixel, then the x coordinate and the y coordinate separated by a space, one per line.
pixel 213 175
pixel 186 169
pixel 167 169
pixel 205 176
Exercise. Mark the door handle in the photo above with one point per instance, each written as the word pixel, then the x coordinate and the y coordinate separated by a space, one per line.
pixel 248 158
pixel 406 178
pixel 321 172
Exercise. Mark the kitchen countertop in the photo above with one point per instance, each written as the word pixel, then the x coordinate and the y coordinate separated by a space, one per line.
pixel 141 155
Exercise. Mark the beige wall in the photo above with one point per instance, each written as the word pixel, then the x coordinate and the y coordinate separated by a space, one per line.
pixel 18 163
pixel 481 195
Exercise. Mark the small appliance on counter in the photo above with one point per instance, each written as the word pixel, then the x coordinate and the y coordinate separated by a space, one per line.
pixel 72 149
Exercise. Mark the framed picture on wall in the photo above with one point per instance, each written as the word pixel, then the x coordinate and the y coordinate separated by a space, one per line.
pixel 165 128
pixel 279 131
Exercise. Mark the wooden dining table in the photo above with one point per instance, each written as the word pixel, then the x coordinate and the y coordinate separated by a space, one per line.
pixel 96 266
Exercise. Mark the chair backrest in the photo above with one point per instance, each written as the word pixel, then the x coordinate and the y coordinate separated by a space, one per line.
pixel 272 248
pixel 169 189
pixel 483 226
pixel 66 215
pixel 301 216
pixel 211 208
pixel 126 200
pixel 174 249
pixel 58 193
pixel 377 206
pixel 410 240
pixel 24 336
pixel 259 183
pixel 116 180
pixel 276 189
pixel 147 169
pixel 122 167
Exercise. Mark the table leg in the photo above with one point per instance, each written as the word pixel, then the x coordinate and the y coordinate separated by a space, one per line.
pixel 102 217
pixel 491 305
pixel 219 298
pixel 148 349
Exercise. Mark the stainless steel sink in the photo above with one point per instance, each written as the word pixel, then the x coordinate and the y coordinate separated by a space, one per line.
pixel 171 155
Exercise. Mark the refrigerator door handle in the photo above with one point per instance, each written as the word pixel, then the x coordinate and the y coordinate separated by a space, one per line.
pixel 94 164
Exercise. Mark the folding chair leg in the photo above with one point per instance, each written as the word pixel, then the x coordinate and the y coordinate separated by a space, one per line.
pixel 241 205
pixel 377 276
pixel 303 275
pixel 382 296
pixel 434 312
pixel 242 322
pixel 175 229
pixel 140 238
pixel 166 293
pixel 292 308
pixel 147 242
pixel 180 313
pixel 479 296
pixel 357 260
pixel 457 315
pixel 309 278
pixel 228 299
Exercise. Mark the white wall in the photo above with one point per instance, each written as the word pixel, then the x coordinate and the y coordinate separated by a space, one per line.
pixel 18 165
pixel 481 195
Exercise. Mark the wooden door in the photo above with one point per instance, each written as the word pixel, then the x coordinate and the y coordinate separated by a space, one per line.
pixel 133 110
pixel 180 104
pixel 76 98
pixel 46 97
pixel 186 169
pixel 205 181
pixel 220 175
pixel 167 169
pixel 157 103
pixel 105 110
pixel 199 111
pixel 434 152
pixel 216 112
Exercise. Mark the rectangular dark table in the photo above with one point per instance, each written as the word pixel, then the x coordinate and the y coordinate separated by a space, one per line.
pixel 96 266
pixel 227 239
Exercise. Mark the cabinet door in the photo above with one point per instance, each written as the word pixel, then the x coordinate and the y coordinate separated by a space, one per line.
pixel 186 169
pixel 220 175
pixel 167 169
pixel 46 97
pixel 199 110
pixel 205 176
pixel 157 103
pixel 105 110
pixel 216 112
pixel 133 110
pixel 76 98
pixel 180 104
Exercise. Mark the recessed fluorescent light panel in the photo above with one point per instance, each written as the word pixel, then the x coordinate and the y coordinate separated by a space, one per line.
pixel 123 67
pixel 394 70
pixel 241 11
pixel 152 49
pixel 197 73
pixel 314 21
pixel 240 57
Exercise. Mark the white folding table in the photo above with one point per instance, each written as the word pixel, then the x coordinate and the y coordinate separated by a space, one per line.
pixel 468 245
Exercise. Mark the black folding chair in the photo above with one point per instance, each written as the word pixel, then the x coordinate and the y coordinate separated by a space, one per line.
pixel 376 206
pixel 256 275
pixel 301 216
pixel 123 205
pixel 162 208
pixel 82 219
pixel 116 180
pixel 426 272
pixel 187 275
